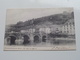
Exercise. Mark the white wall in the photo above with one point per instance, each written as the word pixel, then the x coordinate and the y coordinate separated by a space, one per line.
pixel 39 55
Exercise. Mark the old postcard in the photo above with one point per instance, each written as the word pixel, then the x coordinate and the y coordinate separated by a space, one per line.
pixel 40 29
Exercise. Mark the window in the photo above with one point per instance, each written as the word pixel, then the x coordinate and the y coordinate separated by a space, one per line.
pixel 73 23
pixel 67 28
pixel 64 31
pixel 70 24
pixel 67 31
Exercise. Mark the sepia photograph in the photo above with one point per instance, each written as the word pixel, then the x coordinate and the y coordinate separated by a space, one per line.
pixel 46 29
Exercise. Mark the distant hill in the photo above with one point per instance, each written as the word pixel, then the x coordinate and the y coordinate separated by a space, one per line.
pixel 54 19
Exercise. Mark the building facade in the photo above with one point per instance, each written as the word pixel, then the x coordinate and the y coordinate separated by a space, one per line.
pixel 68 27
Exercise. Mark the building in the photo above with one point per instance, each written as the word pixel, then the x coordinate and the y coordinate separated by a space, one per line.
pixel 68 27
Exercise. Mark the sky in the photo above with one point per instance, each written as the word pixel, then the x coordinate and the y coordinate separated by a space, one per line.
pixel 15 15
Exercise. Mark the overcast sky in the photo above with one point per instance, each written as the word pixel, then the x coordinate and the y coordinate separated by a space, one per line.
pixel 16 15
